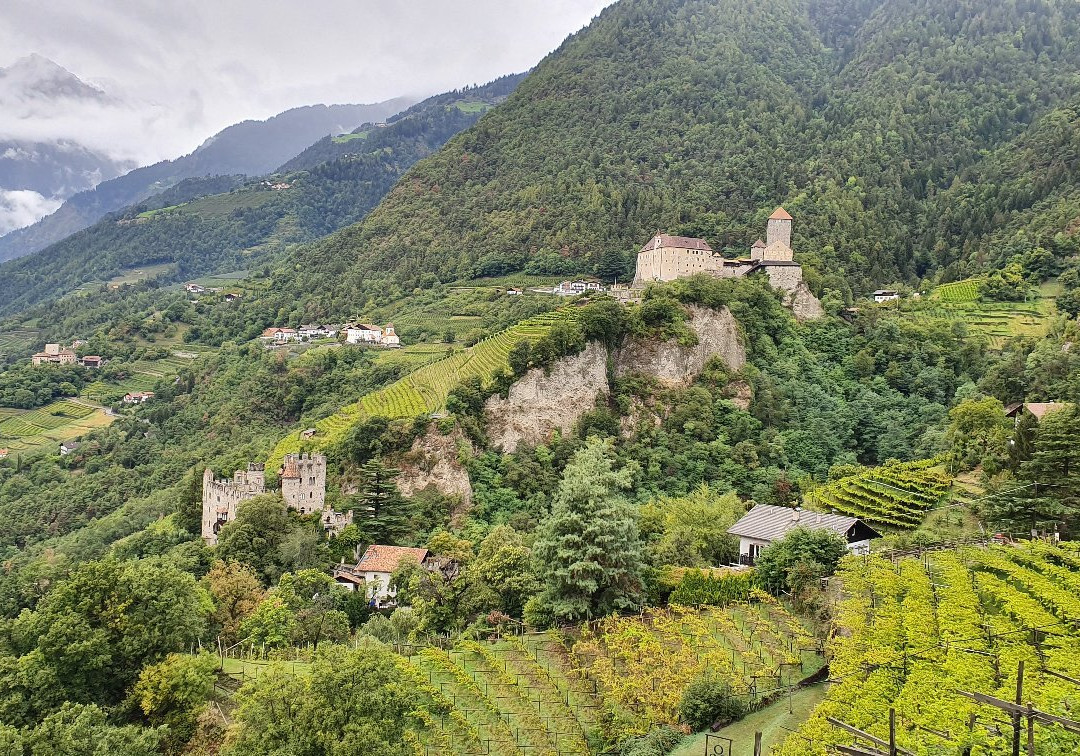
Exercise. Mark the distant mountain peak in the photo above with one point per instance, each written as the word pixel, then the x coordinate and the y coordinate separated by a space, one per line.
pixel 35 77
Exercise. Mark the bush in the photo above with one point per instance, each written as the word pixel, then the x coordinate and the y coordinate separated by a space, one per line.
pixel 659 741
pixel 706 701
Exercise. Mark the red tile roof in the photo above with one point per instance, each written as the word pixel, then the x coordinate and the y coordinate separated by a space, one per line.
pixel 679 242
pixel 780 214
pixel 387 558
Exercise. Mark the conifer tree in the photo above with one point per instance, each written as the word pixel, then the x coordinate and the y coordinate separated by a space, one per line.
pixel 379 509
pixel 587 552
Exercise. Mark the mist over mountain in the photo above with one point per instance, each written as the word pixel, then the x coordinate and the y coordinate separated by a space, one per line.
pixel 250 148
pixel 37 173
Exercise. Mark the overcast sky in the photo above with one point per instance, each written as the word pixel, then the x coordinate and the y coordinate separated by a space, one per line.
pixel 184 70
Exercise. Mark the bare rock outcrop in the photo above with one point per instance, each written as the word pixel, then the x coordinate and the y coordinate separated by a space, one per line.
pixel 432 461
pixel 540 403
pixel 804 304
pixel 667 361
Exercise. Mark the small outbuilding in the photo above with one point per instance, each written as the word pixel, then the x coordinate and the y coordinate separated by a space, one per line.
pixel 765 524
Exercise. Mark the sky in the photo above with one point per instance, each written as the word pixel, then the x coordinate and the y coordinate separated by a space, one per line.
pixel 176 73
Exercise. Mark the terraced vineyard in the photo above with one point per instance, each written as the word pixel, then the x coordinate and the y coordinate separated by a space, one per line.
pixel 549 693
pixel 910 635
pixel 895 495
pixel 17 340
pixel 998 321
pixel 425 390
pixel 60 421
pixel 959 291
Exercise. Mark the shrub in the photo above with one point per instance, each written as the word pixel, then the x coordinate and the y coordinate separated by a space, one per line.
pixel 659 741
pixel 706 701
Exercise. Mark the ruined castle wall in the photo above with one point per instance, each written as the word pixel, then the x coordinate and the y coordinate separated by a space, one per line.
pixel 220 499
pixel 307 492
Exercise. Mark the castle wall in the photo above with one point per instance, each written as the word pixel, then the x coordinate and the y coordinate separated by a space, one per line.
pixel 784 277
pixel 220 498
pixel 669 263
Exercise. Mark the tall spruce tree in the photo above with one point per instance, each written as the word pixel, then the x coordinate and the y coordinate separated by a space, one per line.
pixel 379 510
pixel 1046 491
pixel 587 552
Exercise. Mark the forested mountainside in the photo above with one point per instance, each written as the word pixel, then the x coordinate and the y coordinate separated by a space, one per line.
pixel 228 222
pixel 251 148
pixel 866 120
pixel 449 112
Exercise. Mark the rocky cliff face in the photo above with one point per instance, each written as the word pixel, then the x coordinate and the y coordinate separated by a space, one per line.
pixel 804 304
pixel 718 335
pixel 539 403
pixel 432 461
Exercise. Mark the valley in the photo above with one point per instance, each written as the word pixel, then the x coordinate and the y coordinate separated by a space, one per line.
pixel 715 378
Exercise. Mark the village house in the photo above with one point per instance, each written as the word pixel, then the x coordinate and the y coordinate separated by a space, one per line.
pixel 54 354
pixel 885 295
pixel 372 573
pixel 572 288
pixel 279 335
pixel 514 292
pixel 765 524
pixel 138 397
pixel 91 361
pixel 317 331
pixel 3 453
pixel 68 447
pixel 363 333
pixel 1038 410
pixel 194 288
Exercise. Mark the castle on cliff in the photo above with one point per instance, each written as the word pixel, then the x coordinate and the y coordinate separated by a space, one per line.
pixel 303 487
pixel 666 258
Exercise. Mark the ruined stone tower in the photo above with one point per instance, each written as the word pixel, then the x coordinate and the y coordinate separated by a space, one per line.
pixel 220 498
pixel 303 482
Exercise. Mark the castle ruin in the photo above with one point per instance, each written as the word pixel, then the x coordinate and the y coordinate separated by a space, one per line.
pixel 303 487
pixel 667 258
pixel 220 498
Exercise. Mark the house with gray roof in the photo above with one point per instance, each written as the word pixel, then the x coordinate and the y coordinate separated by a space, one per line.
pixel 766 523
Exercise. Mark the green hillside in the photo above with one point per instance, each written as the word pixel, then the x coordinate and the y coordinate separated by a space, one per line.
pixel 859 117
pixel 228 222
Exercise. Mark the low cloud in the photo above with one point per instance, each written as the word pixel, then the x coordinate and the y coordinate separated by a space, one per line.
pixel 21 207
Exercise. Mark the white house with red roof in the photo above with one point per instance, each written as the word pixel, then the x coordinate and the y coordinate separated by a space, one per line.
pixel 372 573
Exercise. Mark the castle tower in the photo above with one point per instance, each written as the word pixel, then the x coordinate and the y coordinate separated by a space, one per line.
pixel 757 252
pixel 303 482
pixel 778 228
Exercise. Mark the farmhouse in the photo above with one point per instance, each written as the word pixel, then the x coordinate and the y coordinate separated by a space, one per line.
pixel 372 573
pixel 572 288
pixel 68 447
pixel 317 331
pixel 139 397
pixel 194 288
pixel 1038 409
pixel 91 361
pixel 280 335
pixel 54 354
pixel 885 295
pixel 765 524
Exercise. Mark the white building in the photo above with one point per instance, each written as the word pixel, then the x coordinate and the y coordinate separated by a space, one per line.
pixel 571 288
pixel 138 397
pixel 390 337
pixel 363 333
pixel 317 331
pixel 765 524
pixel 885 295
pixel 372 573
